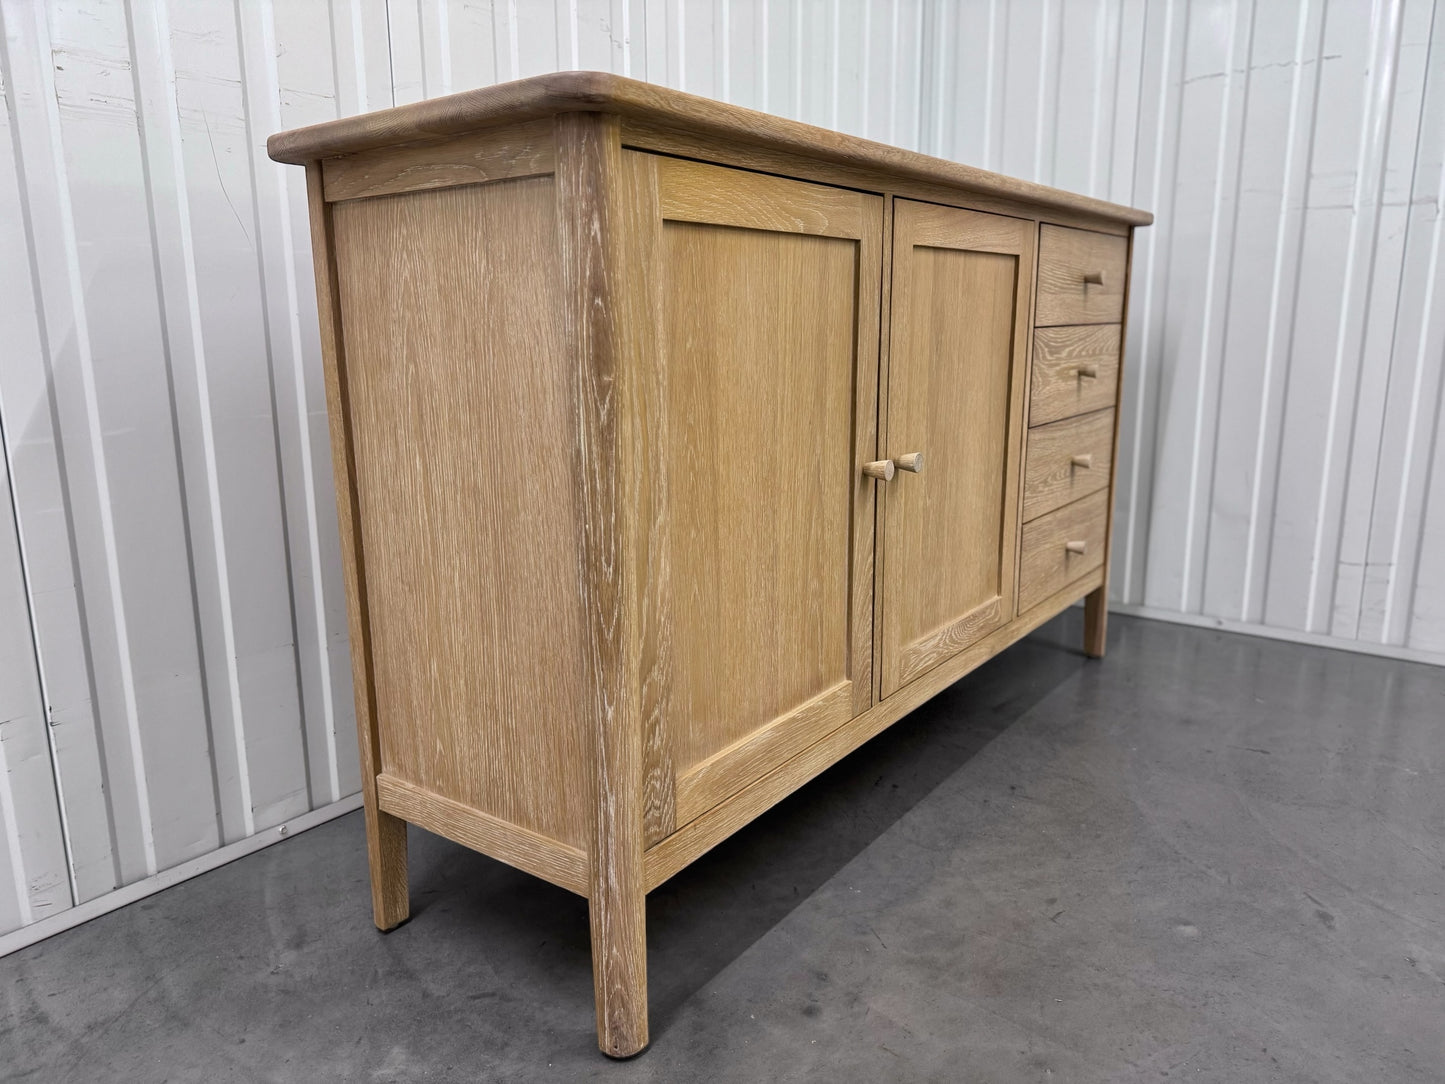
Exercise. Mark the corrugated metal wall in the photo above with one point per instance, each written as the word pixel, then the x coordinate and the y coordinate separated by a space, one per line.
pixel 170 594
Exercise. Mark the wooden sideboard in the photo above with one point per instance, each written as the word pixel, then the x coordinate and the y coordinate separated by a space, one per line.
pixel 680 449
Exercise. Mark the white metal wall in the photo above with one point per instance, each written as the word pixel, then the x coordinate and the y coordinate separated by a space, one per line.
pixel 170 593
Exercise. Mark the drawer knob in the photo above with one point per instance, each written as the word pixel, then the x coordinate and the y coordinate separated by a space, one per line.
pixel 1089 371
pixel 912 462
pixel 1093 278
pixel 882 470
pixel 1076 547
pixel 1084 461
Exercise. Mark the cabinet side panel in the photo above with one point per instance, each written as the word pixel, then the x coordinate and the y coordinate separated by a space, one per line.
pixel 464 422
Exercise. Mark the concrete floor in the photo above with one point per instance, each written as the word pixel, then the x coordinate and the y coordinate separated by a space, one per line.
pixel 1209 858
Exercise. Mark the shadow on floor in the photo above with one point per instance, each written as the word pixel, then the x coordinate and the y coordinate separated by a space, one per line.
pixel 714 910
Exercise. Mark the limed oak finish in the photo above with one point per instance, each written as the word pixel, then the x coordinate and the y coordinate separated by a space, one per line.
pixel 679 450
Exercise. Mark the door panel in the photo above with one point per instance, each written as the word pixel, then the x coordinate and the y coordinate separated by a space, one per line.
pixel 960 293
pixel 767 295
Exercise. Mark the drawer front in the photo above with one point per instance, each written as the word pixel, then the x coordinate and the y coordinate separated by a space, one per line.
pixel 1067 460
pixel 1081 277
pixel 1050 561
pixel 1075 371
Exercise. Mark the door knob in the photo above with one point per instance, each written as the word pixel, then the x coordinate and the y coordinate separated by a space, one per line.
pixel 882 470
pixel 1076 547
pixel 1093 278
pixel 912 462
pixel 1085 461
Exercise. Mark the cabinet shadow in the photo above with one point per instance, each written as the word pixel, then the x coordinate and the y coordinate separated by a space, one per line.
pixel 710 913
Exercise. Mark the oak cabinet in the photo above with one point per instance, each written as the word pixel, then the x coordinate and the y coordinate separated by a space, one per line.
pixel 679 450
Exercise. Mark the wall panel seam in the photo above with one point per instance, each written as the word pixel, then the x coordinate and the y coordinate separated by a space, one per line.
pixel 1210 275
pixel 1372 126
pixel 1428 314
pixel 182 210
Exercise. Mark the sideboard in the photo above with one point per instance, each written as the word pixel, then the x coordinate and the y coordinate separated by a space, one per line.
pixel 679 450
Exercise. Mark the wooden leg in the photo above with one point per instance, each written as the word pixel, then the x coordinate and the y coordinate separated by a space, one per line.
pixel 619 970
pixel 1096 621
pixel 386 855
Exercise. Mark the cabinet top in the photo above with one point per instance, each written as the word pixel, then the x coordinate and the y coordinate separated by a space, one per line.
pixel 437 119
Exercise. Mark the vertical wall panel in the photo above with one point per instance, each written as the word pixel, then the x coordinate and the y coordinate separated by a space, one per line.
pixel 1252 340
pixel 115 393
pixel 172 620
pixel 288 90
pixel 1151 342
pixel 309 93
pixel 1411 331
pixel 1319 365
pixel 34 878
pixel 40 489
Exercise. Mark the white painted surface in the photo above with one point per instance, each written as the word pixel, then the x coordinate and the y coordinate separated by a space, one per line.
pixel 169 578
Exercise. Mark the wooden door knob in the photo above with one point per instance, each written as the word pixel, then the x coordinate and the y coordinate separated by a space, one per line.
pixel 1090 371
pixel 1085 461
pixel 1076 547
pixel 912 462
pixel 882 470
pixel 1093 278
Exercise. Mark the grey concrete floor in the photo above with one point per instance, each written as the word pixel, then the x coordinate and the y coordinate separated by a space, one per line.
pixel 1208 858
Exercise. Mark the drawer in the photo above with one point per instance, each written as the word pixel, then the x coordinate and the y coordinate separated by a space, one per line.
pixel 1075 371
pixel 1081 277
pixel 1049 560
pixel 1067 460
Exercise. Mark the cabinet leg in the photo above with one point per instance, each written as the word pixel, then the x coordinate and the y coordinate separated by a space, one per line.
pixel 619 970
pixel 1096 621
pixel 386 855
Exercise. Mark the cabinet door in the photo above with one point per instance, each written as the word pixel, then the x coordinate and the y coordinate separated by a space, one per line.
pixel 955 393
pixel 755 414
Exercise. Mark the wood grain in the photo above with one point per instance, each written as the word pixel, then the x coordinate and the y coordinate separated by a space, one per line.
pixel 692 192
pixel 734 767
pixel 385 834
pixel 695 839
pixel 768 340
pixel 564 866
pixel 648 481
pixel 1052 477
pixel 458 368
pixel 1059 387
pixel 566 92
pixel 956 372
pixel 885 339
pixel 1066 258
pixel 1046 565
pixel 730 151
pixel 506 153
pixel 592 224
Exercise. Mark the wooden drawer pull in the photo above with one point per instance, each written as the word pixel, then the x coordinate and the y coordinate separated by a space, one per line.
pixel 1084 461
pixel 912 462
pixel 1093 278
pixel 1076 547
pixel 1089 371
pixel 882 470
